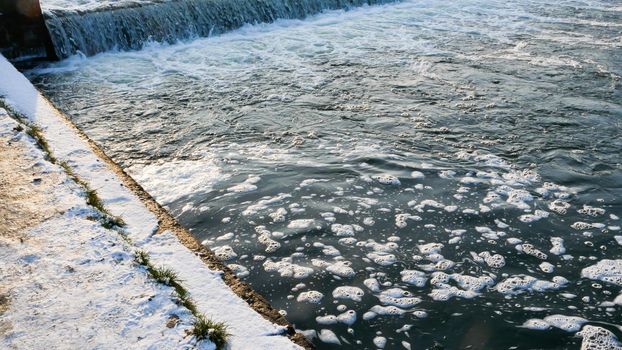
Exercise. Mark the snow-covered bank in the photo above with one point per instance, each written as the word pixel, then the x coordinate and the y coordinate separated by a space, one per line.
pixel 68 282
pixel 249 330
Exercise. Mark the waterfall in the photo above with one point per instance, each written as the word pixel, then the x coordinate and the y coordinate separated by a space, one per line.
pixel 129 28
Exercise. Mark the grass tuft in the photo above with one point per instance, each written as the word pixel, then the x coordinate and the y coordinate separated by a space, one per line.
pixel 92 198
pixel 107 220
pixel 36 133
pixel 204 328
pixel 163 275
pixel 189 304
pixel 69 171
pixel 141 257
pixel 168 277
pixel 110 222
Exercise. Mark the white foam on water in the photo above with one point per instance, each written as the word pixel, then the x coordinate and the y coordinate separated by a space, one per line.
pixel 398 297
pixel 326 320
pixel 372 284
pixel 239 270
pixel 380 342
pixel 341 269
pixel 286 268
pixel 414 277
pixel 536 324
pixel 342 230
pixel 450 292
pixel 496 261
pixel 347 317
pixel 447 174
pixel 569 324
pixel 265 203
pixel 387 179
pixel 227 236
pixel 378 310
pixel 158 177
pixel 591 211
pixel 531 250
pixel 598 338
pixel 565 323
pixel 348 292
pixel 329 337
pixel 417 175
pixel 248 185
pixel 308 182
pixel 312 296
pixel 520 284
pixel 278 215
pixel 300 224
pixel 265 237
pixel 348 241
pixel 430 248
pixel 558 246
pixel 606 270
pixel 546 267
pixel 536 216
pixel 382 258
pixel 580 225
pixel 224 253
pixel 400 219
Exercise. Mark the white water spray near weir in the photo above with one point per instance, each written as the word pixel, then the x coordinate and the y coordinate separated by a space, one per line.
pixel 91 30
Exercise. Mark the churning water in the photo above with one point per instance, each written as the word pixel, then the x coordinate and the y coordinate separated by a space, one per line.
pixel 427 174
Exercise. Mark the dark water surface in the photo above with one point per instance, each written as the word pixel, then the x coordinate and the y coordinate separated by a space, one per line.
pixel 336 151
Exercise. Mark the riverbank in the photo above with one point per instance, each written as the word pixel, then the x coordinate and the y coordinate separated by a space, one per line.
pixel 74 219
pixel 68 282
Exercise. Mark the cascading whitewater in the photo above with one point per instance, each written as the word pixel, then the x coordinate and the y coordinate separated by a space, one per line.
pixel 130 27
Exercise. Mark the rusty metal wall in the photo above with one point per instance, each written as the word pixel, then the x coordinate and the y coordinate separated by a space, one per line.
pixel 23 35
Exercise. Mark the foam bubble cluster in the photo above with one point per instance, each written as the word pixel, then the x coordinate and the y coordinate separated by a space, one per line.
pixel 606 270
pixel 225 253
pixel 398 297
pixel 378 310
pixel 598 338
pixel 286 268
pixel 239 270
pixel 329 337
pixel 566 323
pixel 387 179
pixel 518 284
pixel 312 296
pixel 348 292
pixel 414 277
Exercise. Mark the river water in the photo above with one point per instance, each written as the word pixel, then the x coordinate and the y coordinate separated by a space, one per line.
pixel 418 175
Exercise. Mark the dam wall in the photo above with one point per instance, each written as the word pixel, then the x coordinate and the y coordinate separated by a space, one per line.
pixel 29 30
